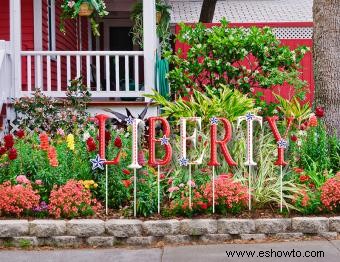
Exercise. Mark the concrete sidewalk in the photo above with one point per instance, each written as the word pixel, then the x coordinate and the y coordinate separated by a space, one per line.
pixel 320 250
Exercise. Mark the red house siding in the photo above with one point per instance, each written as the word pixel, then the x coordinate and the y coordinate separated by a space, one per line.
pixel 307 66
pixel 64 42
pixel 4 20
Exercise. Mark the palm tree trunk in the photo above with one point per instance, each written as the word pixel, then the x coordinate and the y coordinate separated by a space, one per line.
pixel 326 55
pixel 207 11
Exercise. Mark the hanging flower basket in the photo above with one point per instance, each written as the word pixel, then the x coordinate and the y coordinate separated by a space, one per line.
pixel 85 9
pixel 94 9
pixel 158 17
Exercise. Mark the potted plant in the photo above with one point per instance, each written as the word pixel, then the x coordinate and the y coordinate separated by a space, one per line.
pixel 85 9
pixel 90 8
pixel 162 21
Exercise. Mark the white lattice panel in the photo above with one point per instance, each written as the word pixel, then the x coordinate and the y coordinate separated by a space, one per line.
pixel 293 32
pixel 239 11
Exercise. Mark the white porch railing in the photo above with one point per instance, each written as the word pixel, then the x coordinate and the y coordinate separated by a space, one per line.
pixel 105 73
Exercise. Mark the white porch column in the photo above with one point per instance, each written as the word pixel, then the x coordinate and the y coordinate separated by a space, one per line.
pixel 149 43
pixel 15 38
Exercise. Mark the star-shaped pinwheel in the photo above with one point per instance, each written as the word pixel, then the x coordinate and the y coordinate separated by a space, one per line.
pixel 282 143
pixel 213 120
pixel 97 163
pixel 164 140
pixel 183 162
pixel 129 120
pixel 249 116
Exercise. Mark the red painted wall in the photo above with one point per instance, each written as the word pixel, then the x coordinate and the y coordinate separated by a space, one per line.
pixel 307 66
pixel 4 20
pixel 69 41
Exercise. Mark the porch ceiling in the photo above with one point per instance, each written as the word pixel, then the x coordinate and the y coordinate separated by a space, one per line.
pixel 120 5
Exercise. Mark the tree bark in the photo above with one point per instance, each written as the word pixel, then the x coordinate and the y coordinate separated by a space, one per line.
pixel 326 56
pixel 207 11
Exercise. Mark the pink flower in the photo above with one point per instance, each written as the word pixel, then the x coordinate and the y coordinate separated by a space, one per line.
pixel 191 183
pixel 71 4
pixel 60 132
pixel 173 189
pixel 22 179
pixel 38 182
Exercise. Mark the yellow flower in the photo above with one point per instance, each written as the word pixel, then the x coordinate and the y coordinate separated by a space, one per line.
pixel 87 186
pixel 123 155
pixel 70 141
pixel 95 185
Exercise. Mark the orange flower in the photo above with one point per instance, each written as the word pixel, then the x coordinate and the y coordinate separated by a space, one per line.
pixel 44 145
pixel 127 183
pixel 52 156
pixel 313 121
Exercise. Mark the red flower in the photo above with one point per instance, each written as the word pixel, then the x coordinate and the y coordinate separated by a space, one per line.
pixel 311 185
pixel 304 178
pixel 162 176
pixel 9 141
pixel 298 170
pixel 12 154
pixel 203 205
pixel 20 133
pixel 126 171
pixel 118 142
pixel 319 111
pixel 91 145
pixel 3 150
pixel 126 183
pixel 293 138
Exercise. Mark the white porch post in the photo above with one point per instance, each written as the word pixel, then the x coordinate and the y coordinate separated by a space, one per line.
pixel 149 43
pixel 15 38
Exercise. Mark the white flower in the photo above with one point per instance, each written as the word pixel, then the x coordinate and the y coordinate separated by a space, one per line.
pixel 299 142
pixel 127 134
pixel 71 4
pixel 275 111
pixel 181 185
pixel 86 136
pixel 302 133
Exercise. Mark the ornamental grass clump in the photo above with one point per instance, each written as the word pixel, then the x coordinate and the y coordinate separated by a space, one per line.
pixel 17 199
pixel 72 200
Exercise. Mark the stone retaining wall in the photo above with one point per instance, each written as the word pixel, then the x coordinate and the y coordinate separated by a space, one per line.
pixel 95 232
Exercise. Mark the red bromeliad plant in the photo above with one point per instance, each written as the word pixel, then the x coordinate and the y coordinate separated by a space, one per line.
pixel 16 199
pixel 72 200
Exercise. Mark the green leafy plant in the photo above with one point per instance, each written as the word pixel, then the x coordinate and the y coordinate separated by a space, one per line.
pixel 44 113
pixel 71 9
pixel 294 108
pixel 317 150
pixel 224 102
pixel 163 24
pixel 241 58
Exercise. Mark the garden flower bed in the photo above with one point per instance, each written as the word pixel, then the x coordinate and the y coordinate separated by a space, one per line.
pixel 286 164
